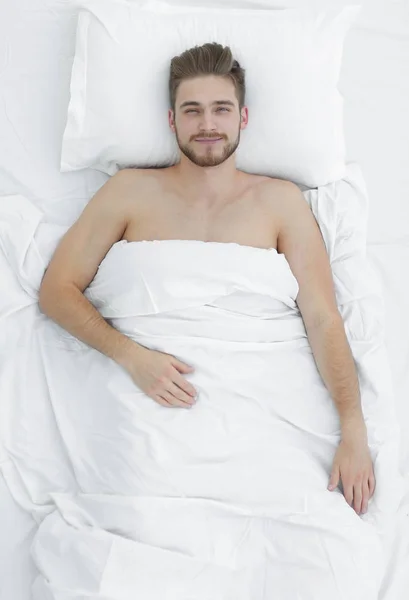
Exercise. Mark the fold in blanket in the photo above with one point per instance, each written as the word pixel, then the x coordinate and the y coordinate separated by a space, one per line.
pixel 208 502
pixel 225 501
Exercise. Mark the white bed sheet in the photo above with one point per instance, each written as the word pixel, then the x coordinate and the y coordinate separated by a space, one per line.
pixel 36 51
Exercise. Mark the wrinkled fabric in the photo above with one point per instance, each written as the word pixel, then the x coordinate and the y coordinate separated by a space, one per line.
pixel 227 500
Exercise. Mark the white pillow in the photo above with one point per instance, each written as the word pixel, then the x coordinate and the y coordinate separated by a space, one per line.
pixel 210 3
pixel 118 111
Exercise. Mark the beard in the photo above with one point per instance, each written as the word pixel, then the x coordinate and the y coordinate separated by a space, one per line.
pixel 212 156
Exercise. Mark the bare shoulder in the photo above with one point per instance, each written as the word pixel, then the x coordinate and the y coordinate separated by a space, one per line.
pixel 272 186
pixel 131 186
pixel 283 196
pixel 130 178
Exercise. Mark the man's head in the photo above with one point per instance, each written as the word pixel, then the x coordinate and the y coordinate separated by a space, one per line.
pixel 207 94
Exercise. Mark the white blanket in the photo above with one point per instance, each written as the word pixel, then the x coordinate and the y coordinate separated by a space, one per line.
pixel 227 500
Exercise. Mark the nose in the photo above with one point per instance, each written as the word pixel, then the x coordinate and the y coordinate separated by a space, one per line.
pixel 206 122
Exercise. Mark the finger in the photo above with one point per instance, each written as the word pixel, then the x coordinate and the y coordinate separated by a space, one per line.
pixel 358 496
pixel 365 495
pixel 174 402
pixel 179 394
pixel 182 366
pixel 372 485
pixel 184 385
pixel 334 479
pixel 348 493
pixel 162 401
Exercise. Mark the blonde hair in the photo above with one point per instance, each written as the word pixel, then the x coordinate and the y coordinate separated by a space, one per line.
pixel 210 59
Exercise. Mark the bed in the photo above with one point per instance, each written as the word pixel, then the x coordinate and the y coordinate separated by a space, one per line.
pixel 36 51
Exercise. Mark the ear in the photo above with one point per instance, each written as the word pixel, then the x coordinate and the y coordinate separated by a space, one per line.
pixel 171 119
pixel 244 117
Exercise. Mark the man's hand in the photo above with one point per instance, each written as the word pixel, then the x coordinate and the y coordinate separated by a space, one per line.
pixel 159 376
pixel 353 464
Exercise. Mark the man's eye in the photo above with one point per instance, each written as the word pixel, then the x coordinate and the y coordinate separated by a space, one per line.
pixel 194 110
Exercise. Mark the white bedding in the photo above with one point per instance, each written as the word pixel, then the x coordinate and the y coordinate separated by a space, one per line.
pixel 251 460
pixel 36 50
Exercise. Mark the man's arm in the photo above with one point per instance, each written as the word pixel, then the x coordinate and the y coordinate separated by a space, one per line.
pixel 336 365
pixel 301 241
pixel 75 263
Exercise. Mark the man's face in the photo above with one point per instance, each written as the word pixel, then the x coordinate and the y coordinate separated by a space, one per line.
pixel 207 108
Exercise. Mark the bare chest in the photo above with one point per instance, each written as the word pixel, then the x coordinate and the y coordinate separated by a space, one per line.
pixel 245 219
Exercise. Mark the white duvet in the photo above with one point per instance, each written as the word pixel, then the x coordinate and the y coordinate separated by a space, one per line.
pixel 227 500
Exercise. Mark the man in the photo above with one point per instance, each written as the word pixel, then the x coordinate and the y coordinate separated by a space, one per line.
pixel 204 197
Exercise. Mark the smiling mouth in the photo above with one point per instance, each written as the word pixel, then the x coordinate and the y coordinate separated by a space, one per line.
pixel 208 140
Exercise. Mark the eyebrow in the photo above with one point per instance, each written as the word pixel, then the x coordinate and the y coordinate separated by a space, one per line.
pixel 193 103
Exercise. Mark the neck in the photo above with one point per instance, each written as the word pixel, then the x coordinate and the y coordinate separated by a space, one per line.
pixel 207 185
